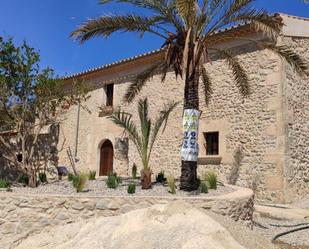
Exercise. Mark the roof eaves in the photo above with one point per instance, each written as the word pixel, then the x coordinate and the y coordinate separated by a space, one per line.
pixel 295 17
pixel 112 64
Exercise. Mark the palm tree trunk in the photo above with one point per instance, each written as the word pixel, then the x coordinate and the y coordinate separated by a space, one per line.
pixel 188 178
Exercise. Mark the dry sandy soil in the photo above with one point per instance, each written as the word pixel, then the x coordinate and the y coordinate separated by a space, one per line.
pixel 175 225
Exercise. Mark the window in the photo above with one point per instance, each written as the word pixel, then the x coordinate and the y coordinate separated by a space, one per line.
pixel 19 158
pixel 212 143
pixel 109 91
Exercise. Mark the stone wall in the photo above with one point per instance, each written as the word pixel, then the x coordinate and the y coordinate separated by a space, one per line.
pixel 24 215
pixel 95 129
pixel 297 125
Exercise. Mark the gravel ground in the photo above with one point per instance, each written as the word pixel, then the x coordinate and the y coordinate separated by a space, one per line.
pixel 300 204
pixel 296 240
pixel 262 233
pixel 248 238
pixel 99 188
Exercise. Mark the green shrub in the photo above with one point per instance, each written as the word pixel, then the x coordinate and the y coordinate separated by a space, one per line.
pixel 24 179
pixel 160 177
pixel 112 180
pixel 75 179
pixel 131 188
pixel 118 178
pixel 79 182
pixel 199 182
pixel 42 177
pixel 212 180
pixel 134 171
pixel 92 174
pixel 4 183
pixel 171 184
pixel 204 187
pixel 70 177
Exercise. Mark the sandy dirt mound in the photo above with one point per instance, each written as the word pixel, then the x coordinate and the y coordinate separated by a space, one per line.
pixel 175 225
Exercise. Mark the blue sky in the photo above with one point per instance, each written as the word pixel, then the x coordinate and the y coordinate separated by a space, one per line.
pixel 46 25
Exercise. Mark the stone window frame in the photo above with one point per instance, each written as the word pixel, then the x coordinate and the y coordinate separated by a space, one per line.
pixel 209 141
pixel 221 126
pixel 107 108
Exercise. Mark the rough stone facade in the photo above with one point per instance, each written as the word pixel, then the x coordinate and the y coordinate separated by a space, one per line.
pixel 24 215
pixel 249 125
pixel 296 125
pixel 263 139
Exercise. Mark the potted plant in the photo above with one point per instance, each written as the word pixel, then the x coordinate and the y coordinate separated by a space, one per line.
pixel 145 139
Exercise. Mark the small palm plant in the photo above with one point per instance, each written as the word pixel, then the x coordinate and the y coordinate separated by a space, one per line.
pixel 145 140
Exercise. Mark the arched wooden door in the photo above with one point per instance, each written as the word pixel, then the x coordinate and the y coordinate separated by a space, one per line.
pixel 106 158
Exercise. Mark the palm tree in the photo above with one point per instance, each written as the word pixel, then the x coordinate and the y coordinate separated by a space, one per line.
pixel 187 28
pixel 145 140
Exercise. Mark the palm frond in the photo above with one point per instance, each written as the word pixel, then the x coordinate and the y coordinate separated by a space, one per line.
pixel 293 59
pixel 123 120
pixel 239 11
pixel 174 53
pixel 207 84
pixel 187 11
pixel 157 5
pixel 213 5
pixel 142 108
pixel 213 16
pixel 240 74
pixel 165 9
pixel 162 119
pixel 140 80
pixel 259 20
pixel 107 25
pixel 236 6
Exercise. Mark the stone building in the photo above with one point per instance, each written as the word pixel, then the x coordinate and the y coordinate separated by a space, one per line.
pixel 261 140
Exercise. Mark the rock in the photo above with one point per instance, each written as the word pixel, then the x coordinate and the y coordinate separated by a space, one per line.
pixel 10 208
pixel 87 215
pixel 46 204
pixel 24 204
pixel 78 206
pixel 126 208
pixel 43 222
pixel 90 206
pixel 101 206
pixel 66 205
pixel 113 205
pixel 8 228
pixel 60 202
pixel 3 214
pixel 62 216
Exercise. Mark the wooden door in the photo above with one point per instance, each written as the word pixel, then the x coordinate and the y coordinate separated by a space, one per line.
pixel 106 158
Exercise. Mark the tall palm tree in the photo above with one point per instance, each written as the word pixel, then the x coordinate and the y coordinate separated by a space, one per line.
pixel 144 140
pixel 187 28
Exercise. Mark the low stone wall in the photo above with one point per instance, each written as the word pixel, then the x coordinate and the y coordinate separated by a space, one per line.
pixel 27 214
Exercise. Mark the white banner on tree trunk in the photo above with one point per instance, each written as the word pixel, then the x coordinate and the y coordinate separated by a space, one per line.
pixel 189 150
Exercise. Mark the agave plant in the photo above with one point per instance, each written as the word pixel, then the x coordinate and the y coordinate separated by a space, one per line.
pixel 187 29
pixel 145 140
